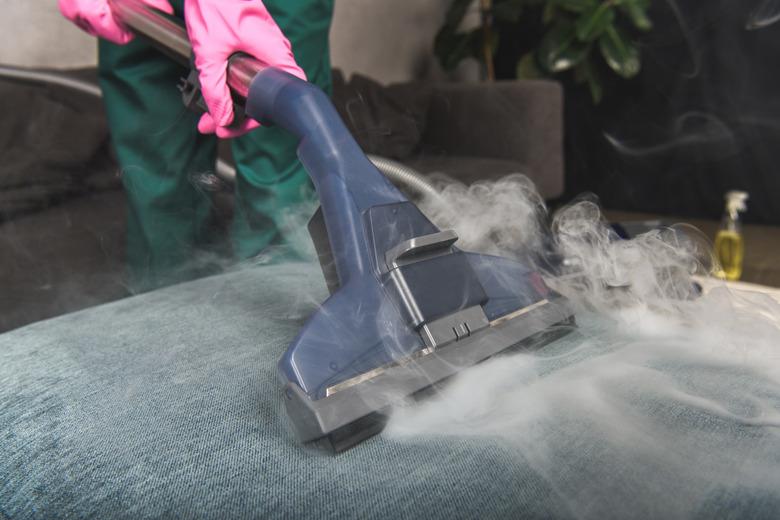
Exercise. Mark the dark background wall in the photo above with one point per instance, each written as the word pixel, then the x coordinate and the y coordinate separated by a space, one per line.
pixel 702 118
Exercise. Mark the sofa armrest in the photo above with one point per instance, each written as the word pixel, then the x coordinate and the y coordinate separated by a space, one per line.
pixel 519 121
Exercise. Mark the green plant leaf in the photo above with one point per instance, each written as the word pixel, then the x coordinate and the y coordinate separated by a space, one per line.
pixel 572 56
pixel 592 23
pixel 619 52
pixel 555 44
pixel 636 10
pixel 574 6
pixel 527 67
pixel 596 89
pixel 549 14
pixel 586 73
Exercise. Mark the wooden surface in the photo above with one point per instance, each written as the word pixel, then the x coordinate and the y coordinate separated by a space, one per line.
pixel 762 244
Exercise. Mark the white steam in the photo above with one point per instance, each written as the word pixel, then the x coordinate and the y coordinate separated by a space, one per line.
pixel 661 403
pixel 766 13
pixel 481 214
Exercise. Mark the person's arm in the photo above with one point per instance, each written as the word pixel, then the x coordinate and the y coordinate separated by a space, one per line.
pixel 95 17
pixel 217 29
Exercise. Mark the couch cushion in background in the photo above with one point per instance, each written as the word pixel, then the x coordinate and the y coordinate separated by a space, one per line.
pixel 167 405
pixel 518 121
pixel 54 145
pixel 385 120
pixel 66 258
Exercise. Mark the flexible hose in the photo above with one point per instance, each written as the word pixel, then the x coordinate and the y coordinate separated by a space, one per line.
pixel 404 175
pixel 397 172
pixel 52 78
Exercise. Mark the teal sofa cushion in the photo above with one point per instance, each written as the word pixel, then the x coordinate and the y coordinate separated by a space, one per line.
pixel 167 405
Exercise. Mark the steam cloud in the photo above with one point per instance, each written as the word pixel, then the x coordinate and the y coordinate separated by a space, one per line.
pixel 659 404
pixel 766 13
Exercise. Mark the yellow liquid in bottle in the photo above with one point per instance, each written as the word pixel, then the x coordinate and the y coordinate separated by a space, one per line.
pixel 730 250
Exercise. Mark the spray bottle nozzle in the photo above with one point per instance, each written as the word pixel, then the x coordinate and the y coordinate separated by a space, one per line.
pixel 736 201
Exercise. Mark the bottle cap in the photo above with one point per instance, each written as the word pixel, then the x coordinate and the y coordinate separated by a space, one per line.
pixel 736 201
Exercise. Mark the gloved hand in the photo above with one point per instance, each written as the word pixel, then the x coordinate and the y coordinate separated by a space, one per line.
pixel 96 18
pixel 219 29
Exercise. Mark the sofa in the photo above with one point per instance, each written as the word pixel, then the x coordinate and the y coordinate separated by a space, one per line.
pixel 167 404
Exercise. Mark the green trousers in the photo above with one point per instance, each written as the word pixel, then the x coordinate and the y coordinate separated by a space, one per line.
pixel 160 150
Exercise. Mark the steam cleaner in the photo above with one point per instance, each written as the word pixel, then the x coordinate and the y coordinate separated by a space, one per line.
pixel 407 308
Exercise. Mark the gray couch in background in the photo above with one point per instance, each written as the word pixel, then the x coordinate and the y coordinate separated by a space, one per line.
pixel 467 131
pixel 485 131
pixel 167 405
pixel 62 207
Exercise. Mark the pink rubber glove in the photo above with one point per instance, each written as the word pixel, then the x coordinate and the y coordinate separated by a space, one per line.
pixel 95 17
pixel 220 28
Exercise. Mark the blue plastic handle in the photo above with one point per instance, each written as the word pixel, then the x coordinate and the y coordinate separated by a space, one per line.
pixel 347 183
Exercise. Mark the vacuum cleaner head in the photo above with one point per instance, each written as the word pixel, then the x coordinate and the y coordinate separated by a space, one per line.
pixel 358 407
pixel 407 308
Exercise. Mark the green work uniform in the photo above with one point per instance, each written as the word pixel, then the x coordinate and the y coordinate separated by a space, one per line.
pixel 160 150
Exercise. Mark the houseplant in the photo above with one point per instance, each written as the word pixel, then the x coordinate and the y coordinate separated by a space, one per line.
pixel 585 38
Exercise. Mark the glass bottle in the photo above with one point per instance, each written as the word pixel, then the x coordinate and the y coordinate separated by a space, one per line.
pixel 729 245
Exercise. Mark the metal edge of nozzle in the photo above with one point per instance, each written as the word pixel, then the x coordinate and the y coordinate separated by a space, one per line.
pixel 347 417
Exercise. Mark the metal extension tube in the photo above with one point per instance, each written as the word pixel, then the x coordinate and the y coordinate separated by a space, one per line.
pixel 171 38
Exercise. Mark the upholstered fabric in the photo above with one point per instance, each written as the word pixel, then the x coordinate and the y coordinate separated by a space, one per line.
pixel 167 405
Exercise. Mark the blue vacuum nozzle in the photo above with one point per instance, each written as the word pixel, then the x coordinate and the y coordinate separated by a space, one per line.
pixel 407 307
